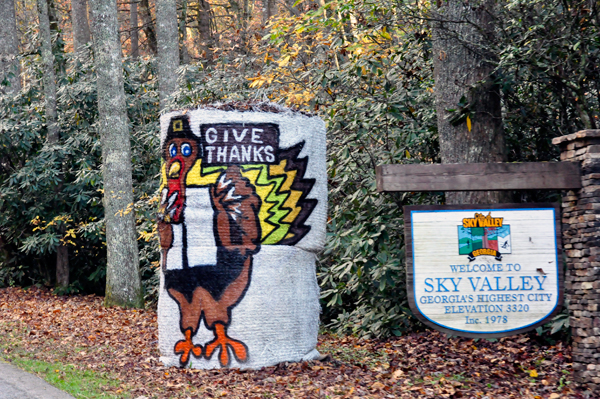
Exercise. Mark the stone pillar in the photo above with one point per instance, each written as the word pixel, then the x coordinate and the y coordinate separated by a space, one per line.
pixel 581 241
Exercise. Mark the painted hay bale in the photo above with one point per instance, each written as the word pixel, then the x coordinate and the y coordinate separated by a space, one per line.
pixel 242 217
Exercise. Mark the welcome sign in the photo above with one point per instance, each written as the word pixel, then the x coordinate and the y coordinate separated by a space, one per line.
pixel 484 271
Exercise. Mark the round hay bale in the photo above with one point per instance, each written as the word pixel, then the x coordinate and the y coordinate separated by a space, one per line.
pixel 242 216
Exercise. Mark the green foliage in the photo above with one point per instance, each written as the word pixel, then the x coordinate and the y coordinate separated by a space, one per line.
pixel 365 67
pixel 557 329
pixel 371 79
pixel 52 194
pixel 549 72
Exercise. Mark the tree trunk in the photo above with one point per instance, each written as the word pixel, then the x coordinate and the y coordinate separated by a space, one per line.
pixel 62 266
pixel 62 252
pixel 133 25
pixel 148 26
pixel 269 9
pixel 289 4
pixel 184 55
pixel 9 49
pixel 167 36
pixel 243 14
pixel 52 17
pixel 463 70
pixel 205 30
pixel 81 27
pixel 49 77
pixel 58 45
pixel 123 282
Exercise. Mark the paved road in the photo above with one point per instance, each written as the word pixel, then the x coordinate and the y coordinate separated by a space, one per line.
pixel 17 384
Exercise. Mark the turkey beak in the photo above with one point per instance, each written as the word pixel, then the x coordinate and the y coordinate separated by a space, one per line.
pixel 174 170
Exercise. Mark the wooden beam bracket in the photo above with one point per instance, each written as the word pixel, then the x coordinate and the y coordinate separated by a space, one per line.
pixel 479 177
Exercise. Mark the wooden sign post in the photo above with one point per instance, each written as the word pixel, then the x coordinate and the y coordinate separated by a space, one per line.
pixel 530 239
pixel 484 271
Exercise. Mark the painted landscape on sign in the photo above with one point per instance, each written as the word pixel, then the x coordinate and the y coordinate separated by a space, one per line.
pixel 473 238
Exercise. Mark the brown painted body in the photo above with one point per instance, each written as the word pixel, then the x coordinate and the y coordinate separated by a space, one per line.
pixel 199 291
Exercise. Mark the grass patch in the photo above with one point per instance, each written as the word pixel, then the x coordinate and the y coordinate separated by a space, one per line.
pixel 84 384
pixel 79 383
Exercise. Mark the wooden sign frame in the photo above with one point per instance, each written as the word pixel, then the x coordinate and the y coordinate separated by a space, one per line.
pixel 479 176
pixel 410 272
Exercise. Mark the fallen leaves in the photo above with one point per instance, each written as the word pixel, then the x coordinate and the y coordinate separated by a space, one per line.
pixel 533 373
pixel 123 343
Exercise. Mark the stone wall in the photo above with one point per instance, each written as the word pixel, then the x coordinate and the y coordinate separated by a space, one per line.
pixel 581 243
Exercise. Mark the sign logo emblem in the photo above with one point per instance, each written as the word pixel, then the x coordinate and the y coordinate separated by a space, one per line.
pixel 484 235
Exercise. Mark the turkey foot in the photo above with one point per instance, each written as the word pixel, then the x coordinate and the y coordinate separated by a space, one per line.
pixel 186 346
pixel 222 341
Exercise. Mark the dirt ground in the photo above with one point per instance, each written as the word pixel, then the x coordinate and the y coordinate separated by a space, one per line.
pixel 122 343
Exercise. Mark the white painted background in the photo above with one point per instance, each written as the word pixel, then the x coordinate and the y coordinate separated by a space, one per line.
pixel 435 248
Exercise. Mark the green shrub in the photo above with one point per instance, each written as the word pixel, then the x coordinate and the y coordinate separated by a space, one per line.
pixel 365 67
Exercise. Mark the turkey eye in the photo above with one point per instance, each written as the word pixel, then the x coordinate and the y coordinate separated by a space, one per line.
pixel 173 150
pixel 186 150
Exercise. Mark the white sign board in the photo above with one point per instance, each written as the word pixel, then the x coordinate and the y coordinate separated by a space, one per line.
pixel 475 270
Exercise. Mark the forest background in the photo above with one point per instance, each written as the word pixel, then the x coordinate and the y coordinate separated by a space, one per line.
pixel 366 67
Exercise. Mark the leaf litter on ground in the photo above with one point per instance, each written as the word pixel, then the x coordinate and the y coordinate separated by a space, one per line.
pixel 123 343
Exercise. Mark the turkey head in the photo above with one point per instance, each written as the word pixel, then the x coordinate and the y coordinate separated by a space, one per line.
pixel 180 152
